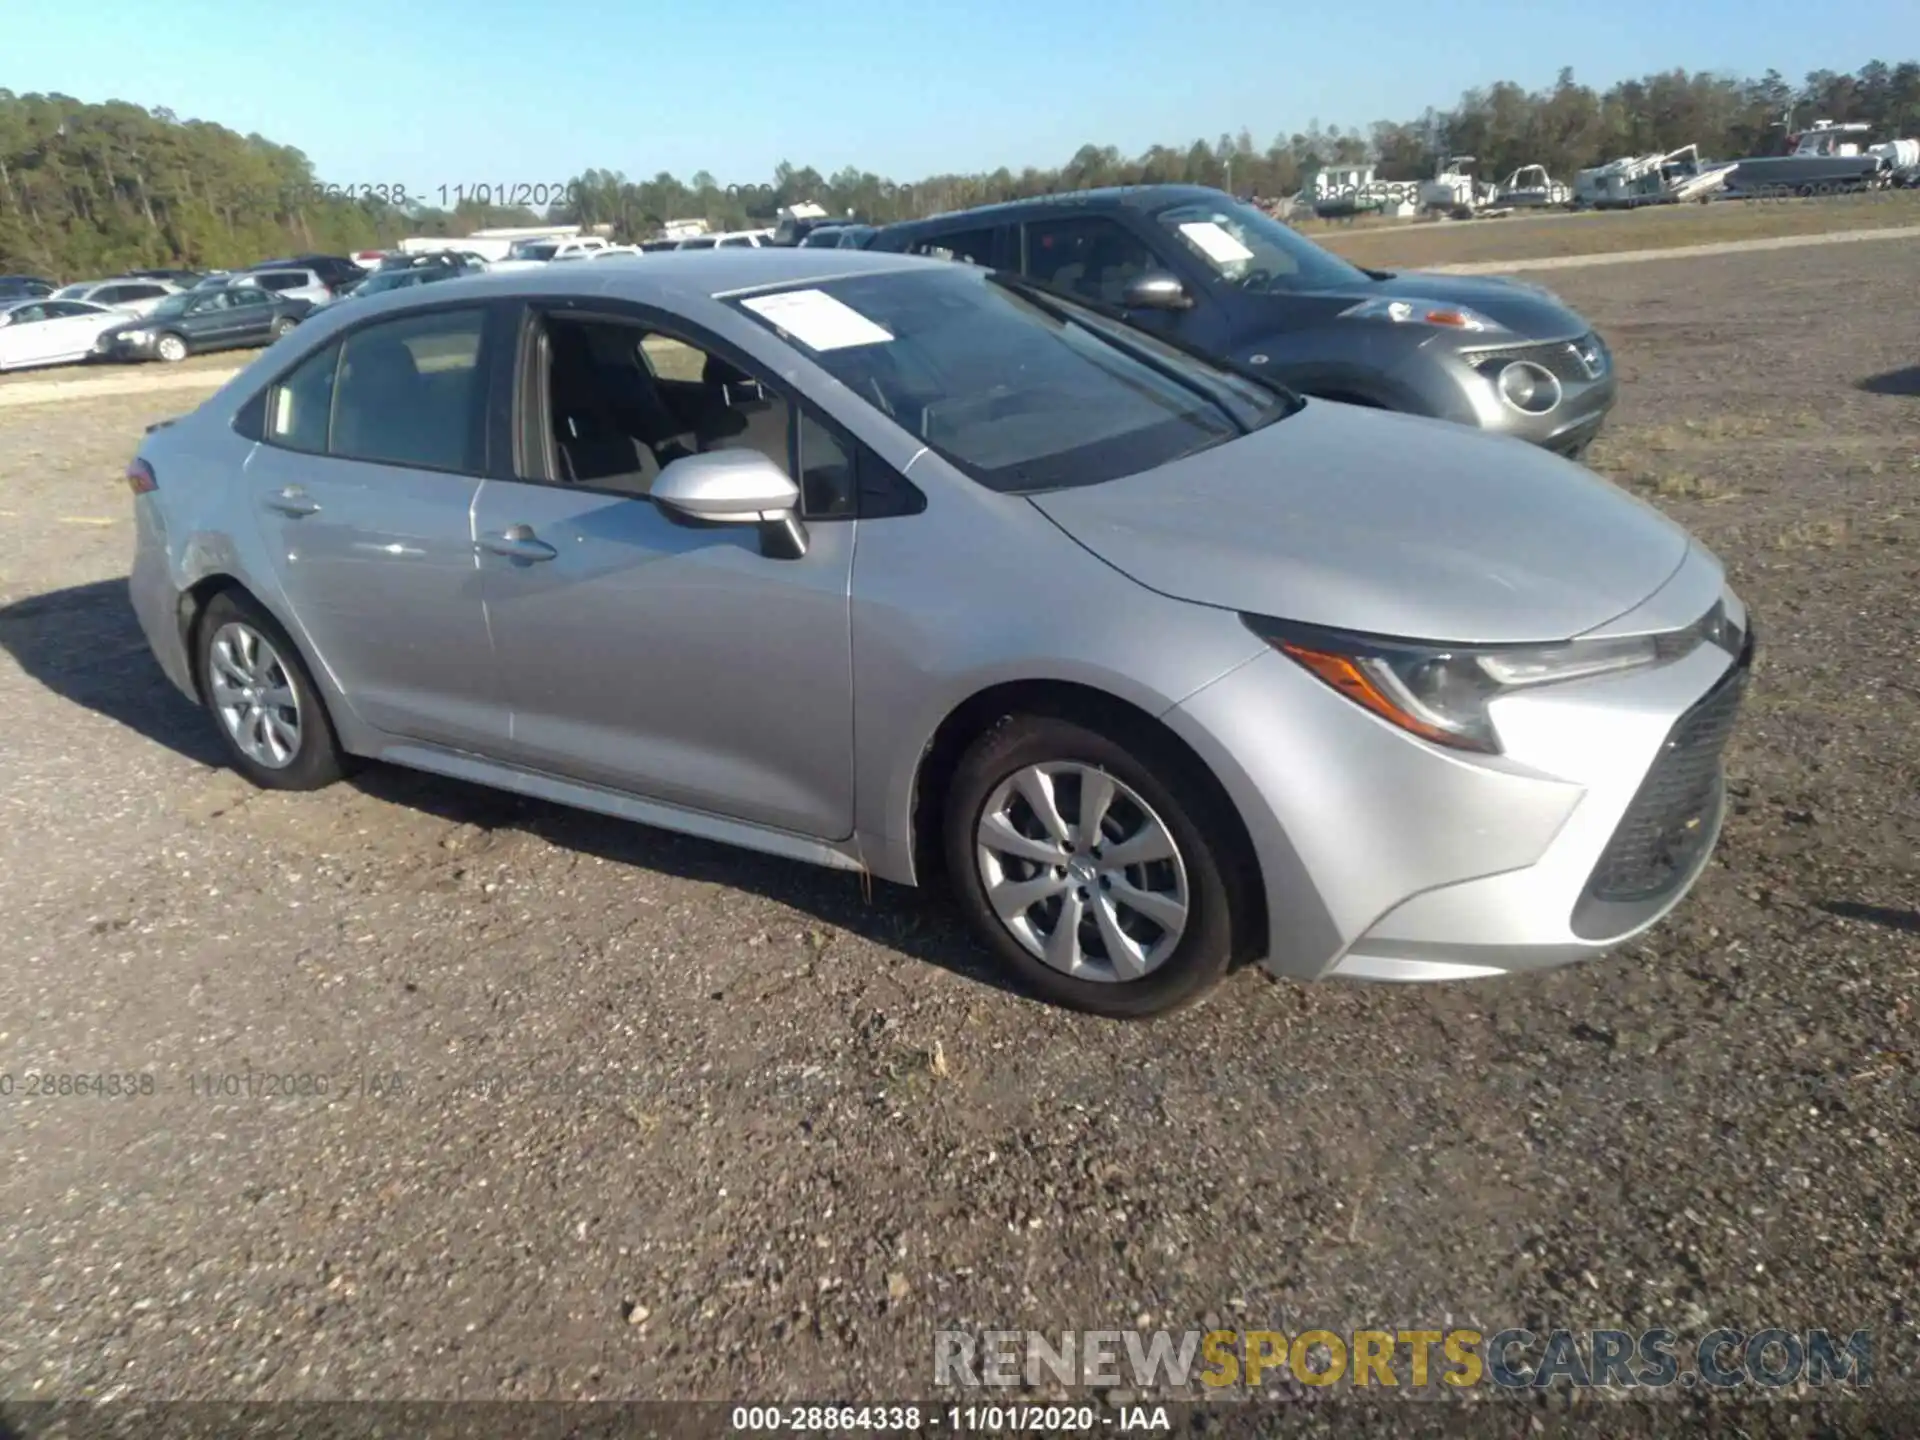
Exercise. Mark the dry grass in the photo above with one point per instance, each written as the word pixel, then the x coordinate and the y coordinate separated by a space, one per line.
pixel 1412 242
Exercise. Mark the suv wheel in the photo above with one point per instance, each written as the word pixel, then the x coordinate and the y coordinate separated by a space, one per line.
pixel 1095 871
pixel 262 699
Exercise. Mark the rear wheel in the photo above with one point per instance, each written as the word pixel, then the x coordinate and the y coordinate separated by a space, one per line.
pixel 170 348
pixel 263 701
pixel 1095 871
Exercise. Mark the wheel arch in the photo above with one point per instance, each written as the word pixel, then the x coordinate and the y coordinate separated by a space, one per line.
pixel 1121 720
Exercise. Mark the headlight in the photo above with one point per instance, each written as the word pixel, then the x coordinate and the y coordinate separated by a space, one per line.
pixel 1423 312
pixel 137 337
pixel 1442 692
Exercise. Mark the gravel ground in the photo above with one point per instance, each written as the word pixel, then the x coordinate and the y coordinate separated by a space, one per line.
pixel 809 1128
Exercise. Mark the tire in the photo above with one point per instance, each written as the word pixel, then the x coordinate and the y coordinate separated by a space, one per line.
pixel 170 348
pixel 279 327
pixel 231 667
pixel 1152 783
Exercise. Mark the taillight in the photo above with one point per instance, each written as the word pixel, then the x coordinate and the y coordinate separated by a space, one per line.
pixel 140 477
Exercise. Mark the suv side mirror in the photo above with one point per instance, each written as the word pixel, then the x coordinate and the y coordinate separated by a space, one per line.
pixel 735 487
pixel 1156 290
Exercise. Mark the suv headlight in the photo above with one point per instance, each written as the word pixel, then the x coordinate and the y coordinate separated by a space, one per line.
pixel 1442 692
pixel 1413 311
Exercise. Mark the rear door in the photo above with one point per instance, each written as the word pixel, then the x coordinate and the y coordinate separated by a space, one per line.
pixel 28 336
pixel 370 457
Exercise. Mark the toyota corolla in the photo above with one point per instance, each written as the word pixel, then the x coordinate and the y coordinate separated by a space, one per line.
pixel 913 569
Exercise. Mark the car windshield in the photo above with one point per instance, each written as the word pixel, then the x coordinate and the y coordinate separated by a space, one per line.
pixel 175 304
pixel 1021 392
pixel 534 250
pixel 1249 248
pixel 72 292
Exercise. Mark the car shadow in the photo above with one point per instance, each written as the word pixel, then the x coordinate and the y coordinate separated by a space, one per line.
pixel 1892 919
pixel 84 644
pixel 1894 382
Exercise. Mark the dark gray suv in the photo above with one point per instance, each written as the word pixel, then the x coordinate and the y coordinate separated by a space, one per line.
pixel 1206 270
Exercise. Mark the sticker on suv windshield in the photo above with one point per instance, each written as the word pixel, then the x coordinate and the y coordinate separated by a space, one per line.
pixel 1216 242
pixel 817 320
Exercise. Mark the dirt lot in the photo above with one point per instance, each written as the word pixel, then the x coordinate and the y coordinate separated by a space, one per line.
pixel 813 1128
pixel 1410 243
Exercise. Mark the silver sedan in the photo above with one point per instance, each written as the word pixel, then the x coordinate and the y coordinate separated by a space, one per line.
pixel 906 568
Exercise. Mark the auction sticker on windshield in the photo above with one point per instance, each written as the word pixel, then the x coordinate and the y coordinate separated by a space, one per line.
pixel 1217 243
pixel 817 320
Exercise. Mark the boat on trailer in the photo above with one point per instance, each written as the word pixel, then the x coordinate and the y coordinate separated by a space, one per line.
pixel 1636 180
pixel 1531 188
pixel 1822 160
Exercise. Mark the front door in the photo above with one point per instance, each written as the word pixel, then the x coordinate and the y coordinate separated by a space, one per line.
pixel 363 484
pixel 252 315
pixel 649 656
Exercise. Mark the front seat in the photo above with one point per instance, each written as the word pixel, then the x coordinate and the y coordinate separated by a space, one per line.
pixel 1110 265
pixel 590 442
pixel 736 413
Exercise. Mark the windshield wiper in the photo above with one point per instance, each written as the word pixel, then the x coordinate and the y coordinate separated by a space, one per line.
pixel 1048 300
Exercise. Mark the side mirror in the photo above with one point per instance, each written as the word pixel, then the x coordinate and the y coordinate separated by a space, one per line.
pixel 735 487
pixel 1156 290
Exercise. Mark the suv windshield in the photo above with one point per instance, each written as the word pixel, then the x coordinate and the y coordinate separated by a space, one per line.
pixel 1023 393
pixel 1249 248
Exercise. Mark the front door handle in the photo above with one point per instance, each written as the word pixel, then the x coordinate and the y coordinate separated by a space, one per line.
pixel 518 542
pixel 292 501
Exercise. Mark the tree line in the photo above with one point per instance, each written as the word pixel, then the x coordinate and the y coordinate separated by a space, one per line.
pixel 95 189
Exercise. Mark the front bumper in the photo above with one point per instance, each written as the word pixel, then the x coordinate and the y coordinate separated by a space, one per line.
pixel 1582 368
pixel 1385 858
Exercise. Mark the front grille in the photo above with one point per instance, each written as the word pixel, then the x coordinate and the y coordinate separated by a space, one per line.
pixel 1572 362
pixel 1672 818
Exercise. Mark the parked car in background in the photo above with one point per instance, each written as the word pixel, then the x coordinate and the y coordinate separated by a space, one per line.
pixel 1197 266
pixel 185 279
pixel 130 295
pixel 213 280
pixel 334 271
pixel 293 284
pixel 793 229
pixel 460 262
pixel 51 332
pixel 528 254
pixel 228 318
pixel 1174 668
pixel 821 237
pixel 383 281
pixel 24 287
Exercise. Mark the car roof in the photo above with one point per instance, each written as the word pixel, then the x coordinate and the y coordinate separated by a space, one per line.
pixel 1110 197
pixel 706 273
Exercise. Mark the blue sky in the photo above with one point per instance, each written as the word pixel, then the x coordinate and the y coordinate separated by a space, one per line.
pixel 459 92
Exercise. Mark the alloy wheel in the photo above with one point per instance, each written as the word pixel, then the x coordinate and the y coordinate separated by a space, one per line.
pixel 1082 872
pixel 171 347
pixel 254 695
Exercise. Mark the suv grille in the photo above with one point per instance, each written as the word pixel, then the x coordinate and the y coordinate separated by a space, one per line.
pixel 1572 362
pixel 1671 819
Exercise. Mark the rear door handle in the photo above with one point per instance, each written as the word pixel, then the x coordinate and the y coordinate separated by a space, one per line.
pixel 518 542
pixel 292 501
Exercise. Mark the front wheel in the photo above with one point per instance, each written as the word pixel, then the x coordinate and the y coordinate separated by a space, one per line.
pixel 1095 871
pixel 280 327
pixel 171 348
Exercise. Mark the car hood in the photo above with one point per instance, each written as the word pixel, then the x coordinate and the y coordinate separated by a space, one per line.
pixel 1381 523
pixel 1526 310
